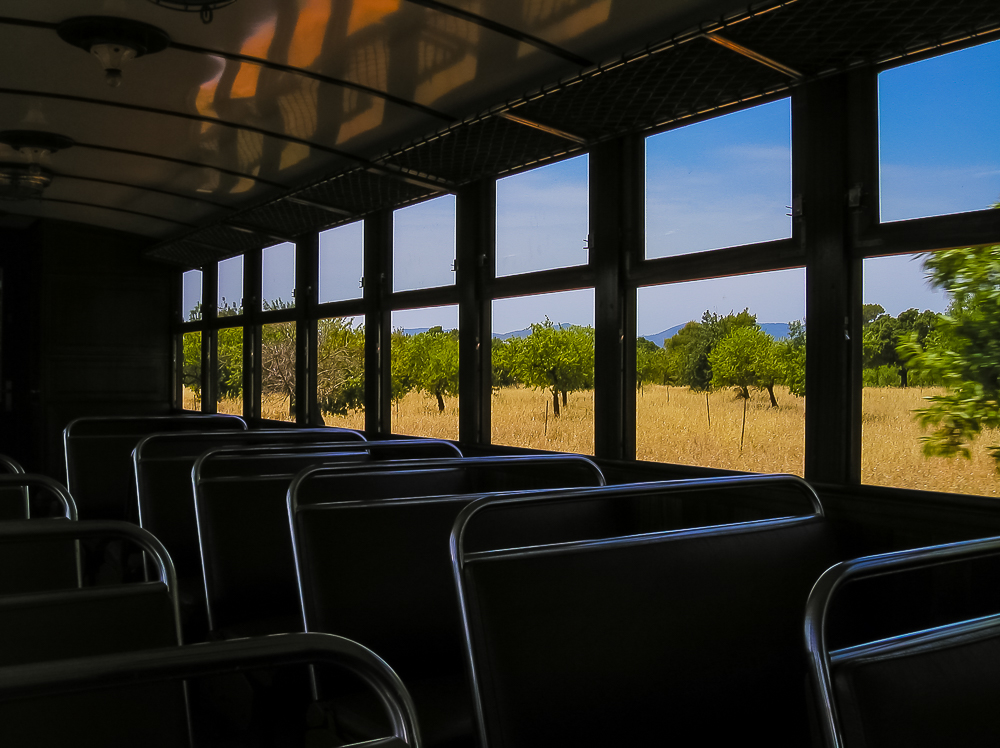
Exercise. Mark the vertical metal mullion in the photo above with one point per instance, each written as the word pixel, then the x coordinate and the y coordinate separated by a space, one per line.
pixel 821 184
pixel 251 334
pixel 378 361
pixel 209 348
pixel 177 345
pixel 476 251
pixel 306 282
pixel 615 230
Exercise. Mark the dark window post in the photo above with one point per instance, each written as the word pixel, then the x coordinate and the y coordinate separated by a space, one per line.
pixel 821 142
pixel 251 334
pixel 306 284
pixel 378 357
pixel 209 349
pixel 616 193
pixel 476 239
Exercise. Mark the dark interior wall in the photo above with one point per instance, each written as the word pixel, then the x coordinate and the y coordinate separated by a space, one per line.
pixel 99 342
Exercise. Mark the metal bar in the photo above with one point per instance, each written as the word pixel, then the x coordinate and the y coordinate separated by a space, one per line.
pixel 144 188
pixel 243 228
pixel 978 228
pixel 423 297
pixel 182 162
pixel 500 28
pixel 187 116
pixel 755 56
pixel 319 206
pixel 426 181
pixel 377 278
pixel 719 263
pixel 544 128
pixel 271 65
pixel 545 281
pixel 117 210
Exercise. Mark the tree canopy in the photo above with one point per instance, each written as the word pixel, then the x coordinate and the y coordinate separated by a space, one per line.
pixel 962 351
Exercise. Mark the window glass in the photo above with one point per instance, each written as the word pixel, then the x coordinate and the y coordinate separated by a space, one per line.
pixel 425 372
pixel 230 297
pixel 230 374
pixel 720 373
pixel 341 262
pixel 277 371
pixel 278 277
pixel 191 296
pixel 938 146
pixel 911 353
pixel 423 245
pixel 543 371
pixel 720 183
pixel 191 371
pixel 340 371
pixel 542 218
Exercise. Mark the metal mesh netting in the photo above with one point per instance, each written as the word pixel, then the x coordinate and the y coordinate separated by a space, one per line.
pixel 694 77
pixel 819 36
pixel 484 147
pixel 287 218
pixel 231 240
pixel 186 253
pixel 361 192
pixel 815 37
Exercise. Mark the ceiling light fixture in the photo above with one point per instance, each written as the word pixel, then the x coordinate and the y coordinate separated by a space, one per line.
pixel 205 7
pixel 113 41
pixel 26 179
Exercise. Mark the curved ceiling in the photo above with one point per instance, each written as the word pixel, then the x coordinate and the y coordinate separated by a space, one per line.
pixel 286 116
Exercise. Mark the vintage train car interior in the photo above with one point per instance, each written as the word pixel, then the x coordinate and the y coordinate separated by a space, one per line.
pixel 245 242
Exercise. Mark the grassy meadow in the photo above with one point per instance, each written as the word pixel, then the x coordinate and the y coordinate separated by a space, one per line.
pixel 672 426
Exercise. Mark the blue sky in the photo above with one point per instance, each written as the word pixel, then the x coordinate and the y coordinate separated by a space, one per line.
pixel 723 182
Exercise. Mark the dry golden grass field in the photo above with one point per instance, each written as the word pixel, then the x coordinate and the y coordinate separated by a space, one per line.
pixel 672 426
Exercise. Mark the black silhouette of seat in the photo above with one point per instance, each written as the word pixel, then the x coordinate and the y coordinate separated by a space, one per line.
pixel 98 453
pixel 373 563
pixel 245 539
pixel 162 468
pixel 586 624
pixel 926 670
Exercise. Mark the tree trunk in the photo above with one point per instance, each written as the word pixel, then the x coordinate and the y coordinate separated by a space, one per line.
pixel 744 392
pixel 770 393
pixel 555 402
pixel 564 398
pixel 903 376
pixel 440 402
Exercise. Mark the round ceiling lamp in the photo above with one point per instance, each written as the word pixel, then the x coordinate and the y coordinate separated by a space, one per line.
pixel 23 180
pixel 113 41
pixel 206 8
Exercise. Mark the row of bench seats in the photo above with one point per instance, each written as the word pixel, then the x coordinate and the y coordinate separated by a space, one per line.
pixel 589 615
pixel 122 683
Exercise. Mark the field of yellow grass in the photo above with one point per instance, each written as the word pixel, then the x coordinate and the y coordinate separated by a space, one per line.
pixel 891 451
pixel 672 426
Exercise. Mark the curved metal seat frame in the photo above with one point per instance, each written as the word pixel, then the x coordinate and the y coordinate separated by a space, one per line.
pixel 836 577
pixel 217 658
pixel 58 490
pixel 461 558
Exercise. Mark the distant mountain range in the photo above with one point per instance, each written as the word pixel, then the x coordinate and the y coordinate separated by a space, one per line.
pixel 776 330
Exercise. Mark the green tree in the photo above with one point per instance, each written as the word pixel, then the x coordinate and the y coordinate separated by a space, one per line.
pixel 401 374
pixel 560 360
pixel 277 361
pixel 697 367
pixel 883 336
pixel 340 366
pixel 964 351
pixel 434 363
pixel 650 363
pixel 747 357
pixel 230 354
pixel 793 357
pixel 504 356
pixel 191 369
